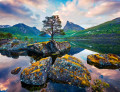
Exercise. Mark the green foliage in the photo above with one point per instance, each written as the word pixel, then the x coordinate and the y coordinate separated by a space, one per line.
pixel 4 35
pixel 99 86
pixel 42 33
pixel 62 32
pixel 26 38
pixel 52 25
pixel 31 40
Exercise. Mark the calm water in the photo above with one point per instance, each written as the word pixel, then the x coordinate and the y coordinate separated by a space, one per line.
pixel 11 83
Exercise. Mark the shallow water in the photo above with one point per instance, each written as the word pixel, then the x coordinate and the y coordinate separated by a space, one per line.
pixel 11 83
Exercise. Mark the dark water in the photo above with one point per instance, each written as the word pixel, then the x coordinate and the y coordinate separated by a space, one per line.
pixel 80 49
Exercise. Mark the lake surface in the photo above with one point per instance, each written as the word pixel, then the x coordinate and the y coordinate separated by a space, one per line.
pixel 80 49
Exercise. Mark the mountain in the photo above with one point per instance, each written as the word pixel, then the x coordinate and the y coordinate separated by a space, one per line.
pixel 104 30
pixel 21 29
pixel 4 26
pixel 72 26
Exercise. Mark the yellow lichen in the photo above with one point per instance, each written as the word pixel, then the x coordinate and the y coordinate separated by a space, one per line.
pixel 41 65
pixel 38 70
pixel 17 68
pixel 29 44
pixel 36 63
pixel 35 75
pixel 66 56
pixel 112 56
pixel 77 64
pixel 71 75
pixel 85 82
pixel 27 71
pixel 98 56
pixel 61 70
pixel 43 58
pixel 40 74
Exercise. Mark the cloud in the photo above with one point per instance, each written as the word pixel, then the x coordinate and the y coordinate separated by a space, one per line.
pixel 39 4
pixel 85 3
pixel 104 9
pixel 10 9
pixel 82 12
pixel 88 13
pixel 22 11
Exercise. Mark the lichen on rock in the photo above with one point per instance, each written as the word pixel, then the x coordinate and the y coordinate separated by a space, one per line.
pixel 16 70
pixel 111 61
pixel 70 70
pixel 49 47
pixel 36 74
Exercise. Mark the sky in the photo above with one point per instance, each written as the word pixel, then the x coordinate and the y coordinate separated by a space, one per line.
pixel 86 13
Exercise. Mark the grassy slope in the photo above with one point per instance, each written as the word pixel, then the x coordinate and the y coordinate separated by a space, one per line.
pixel 105 30
pixel 15 31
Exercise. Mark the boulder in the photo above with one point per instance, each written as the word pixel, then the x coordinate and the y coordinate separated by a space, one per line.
pixel 109 61
pixel 16 70
pixel 14 45
pixel 49 48
pixel 36 74
pixel 70 70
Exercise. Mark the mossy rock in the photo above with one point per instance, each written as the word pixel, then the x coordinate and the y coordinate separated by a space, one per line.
pixel 99 86
pixel 70 70
pixel 36 74
pixel 49 48
pixel 16 70
pixel 107 61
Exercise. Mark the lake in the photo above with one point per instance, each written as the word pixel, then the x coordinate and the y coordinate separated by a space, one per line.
pixel 80 49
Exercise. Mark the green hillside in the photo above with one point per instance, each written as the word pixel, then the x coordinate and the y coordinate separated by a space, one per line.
pixel 107 29
pixel 21 29
pixel 110 29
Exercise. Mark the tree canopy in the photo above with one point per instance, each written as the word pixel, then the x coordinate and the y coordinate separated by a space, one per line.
pixel 52 26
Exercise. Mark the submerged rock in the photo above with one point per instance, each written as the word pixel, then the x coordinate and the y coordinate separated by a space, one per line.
pixel 49 48
pixel 70 70
pixel 16 70
pixel 36 74
pixel 110 61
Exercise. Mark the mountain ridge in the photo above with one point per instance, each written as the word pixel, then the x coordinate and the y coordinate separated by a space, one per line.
pixel 72 26
pixel 21 29
pixel 108 27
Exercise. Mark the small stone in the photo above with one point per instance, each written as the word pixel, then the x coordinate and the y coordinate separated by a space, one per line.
pixel 16 70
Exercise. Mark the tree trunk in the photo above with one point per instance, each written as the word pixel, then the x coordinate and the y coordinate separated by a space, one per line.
pixel 52 37
pixel 52 33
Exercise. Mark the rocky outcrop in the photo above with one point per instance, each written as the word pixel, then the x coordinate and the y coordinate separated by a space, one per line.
pixel 14 48
pixel 66 69
pixel 14 45
pixel 49 48
pixel 110 61
pixel 70 70
pixel 16 70
pixel 36 74
pixel 3 41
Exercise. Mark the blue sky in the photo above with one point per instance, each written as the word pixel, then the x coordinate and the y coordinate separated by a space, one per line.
pixel 86 13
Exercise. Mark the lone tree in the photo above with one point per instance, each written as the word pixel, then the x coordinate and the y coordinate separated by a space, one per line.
pixel 52 26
